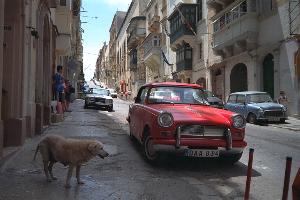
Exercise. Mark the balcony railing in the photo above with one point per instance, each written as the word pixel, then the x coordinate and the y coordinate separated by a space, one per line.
pixel 152 44
pixel 236 24
pixel 183 22
pixel 184 65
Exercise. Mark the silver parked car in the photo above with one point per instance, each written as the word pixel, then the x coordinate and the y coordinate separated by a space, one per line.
pixel 99 97
pixel 113 93
pixel 256 107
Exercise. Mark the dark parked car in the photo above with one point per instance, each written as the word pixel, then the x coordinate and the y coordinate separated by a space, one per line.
pixel 213 100
pixel 256 106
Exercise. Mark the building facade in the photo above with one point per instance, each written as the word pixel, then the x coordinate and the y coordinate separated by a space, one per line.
pixel 27 62
pixel 257 48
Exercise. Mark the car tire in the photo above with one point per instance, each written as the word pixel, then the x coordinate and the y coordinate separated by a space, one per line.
pixel 110 108
pixel 282 120
pixel 252 118
pixel 232 158
pixel 150 154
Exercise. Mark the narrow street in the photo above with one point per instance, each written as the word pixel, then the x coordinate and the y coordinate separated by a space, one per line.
pixel 125 174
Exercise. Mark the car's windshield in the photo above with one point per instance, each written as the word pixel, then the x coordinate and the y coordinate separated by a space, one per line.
pixel 100 91
pixel 178 95
pixel 259 98
pixel 209 93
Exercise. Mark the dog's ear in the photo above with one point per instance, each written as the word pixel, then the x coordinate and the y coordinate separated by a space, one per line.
pixel 92 147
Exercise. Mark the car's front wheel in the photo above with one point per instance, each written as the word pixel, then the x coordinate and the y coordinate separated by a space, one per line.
pixel 252 118
pixel 150 154
pixel 110 108
pixel 85 105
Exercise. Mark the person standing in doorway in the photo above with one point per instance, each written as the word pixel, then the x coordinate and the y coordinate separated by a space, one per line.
pixel 283 100
pixel 59 86
pixel 68 95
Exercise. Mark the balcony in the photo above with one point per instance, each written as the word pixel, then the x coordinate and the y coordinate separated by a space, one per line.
pixel 152 49
pixel 184 65
pixel 236 29
pixel 184 58
pixel 218 5
pixel 133 60
pixel 136 31
pixel 183 30
pixel 154 24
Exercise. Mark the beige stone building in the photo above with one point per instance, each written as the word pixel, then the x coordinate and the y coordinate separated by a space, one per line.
pixel 28 60
pixel 114 29
pixel 257 42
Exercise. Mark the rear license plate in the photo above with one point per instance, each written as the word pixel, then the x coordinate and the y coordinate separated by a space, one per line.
pixel 201 153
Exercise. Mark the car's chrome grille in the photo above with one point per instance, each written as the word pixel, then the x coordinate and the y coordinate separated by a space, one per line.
pixel 273 113
pixel 100 100
pixel 200 130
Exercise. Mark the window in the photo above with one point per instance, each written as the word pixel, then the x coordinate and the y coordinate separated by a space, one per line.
pixel 188 53
pixel 142 96
pixel 199 11
pixel 231 99
pixel 63 2
pixel 240 99
pixel 200 51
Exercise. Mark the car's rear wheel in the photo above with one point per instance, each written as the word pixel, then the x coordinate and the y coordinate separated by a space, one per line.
pixel 252 118
pixel 150 154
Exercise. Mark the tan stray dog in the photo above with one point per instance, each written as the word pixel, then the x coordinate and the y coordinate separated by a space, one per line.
pixel 71 152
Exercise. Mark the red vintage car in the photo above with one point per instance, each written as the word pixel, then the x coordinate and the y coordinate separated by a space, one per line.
pixel 176 117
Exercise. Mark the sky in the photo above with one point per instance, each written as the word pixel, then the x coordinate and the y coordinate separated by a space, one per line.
pixel 98 14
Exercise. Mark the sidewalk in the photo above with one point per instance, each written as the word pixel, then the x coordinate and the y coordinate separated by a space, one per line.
pixel 292 124
pixel 23 178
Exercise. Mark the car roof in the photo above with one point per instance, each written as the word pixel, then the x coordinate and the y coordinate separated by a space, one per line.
pixel 249 92
pixel 176 84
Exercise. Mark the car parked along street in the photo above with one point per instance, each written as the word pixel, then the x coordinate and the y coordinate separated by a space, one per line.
pixel 182 122
pixel 98 97
pixel 256 107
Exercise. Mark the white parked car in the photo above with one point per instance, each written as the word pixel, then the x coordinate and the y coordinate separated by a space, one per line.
pixel 113 93
pixel 99 97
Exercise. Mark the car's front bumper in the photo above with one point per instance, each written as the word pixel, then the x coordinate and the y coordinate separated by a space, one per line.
pixel 182 149
pixel 99 104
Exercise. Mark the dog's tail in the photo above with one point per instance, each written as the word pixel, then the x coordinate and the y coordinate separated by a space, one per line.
pixel 37 149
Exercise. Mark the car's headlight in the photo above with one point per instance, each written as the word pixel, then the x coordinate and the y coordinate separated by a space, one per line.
pixel 165 119
pixel 109 101
pixel 238 121
pixel 284 109
pixel 92 99
pixel 260 110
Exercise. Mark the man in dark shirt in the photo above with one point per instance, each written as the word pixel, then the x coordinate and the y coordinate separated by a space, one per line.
pixel 59 86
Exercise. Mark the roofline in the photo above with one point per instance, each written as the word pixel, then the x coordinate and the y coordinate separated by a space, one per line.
pixel 129 9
